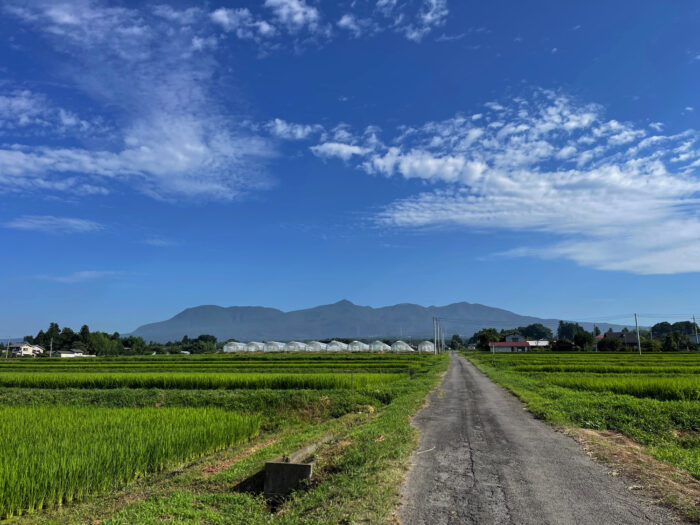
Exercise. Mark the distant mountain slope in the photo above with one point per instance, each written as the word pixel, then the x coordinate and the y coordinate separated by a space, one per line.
pixel 341 319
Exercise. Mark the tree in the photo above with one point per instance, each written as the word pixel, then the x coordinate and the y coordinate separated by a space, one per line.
pixel 649 345
pixel 596 331
pixel 584 340
pixel 567 330
pixel 609 344
pixel 456 342
pixel 536 331
pixel 486 336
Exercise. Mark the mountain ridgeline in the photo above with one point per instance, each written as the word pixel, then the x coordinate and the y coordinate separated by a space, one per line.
pixel 341 319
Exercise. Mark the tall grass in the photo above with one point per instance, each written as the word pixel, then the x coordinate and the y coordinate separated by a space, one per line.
pixel 681 388
pixel 52 455
pixel 172 380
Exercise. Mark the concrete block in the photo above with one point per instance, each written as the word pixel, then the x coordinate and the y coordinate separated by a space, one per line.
pixel 281 477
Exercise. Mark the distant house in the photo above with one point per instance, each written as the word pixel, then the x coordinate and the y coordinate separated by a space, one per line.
pixel 401 346
pixel 426 346
pixel 510 346
pixel 626 338
pixel 316 346
pixel 336 346
pixel 73 352
pixel 234 346
pixel 538 344
pixel 25 350
pixel 358 346
pixel 514 338
pixel 379 346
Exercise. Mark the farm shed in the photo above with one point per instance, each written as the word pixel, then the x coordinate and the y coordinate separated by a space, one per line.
pixel 316 346
pixel 255 346
pixel 520 346
pixel 358 346
pixel 401 346
pixel 234 346
pixel 295 346
pixel 426 346
pixel 273 346
pixel 336 346
pixel 379 346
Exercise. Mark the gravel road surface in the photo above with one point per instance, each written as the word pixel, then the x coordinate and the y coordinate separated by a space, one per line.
pixel 484 459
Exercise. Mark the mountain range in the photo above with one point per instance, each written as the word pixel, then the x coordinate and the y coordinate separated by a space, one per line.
pixel 342 320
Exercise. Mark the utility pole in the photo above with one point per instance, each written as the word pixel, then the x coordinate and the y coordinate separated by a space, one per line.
pixel 695 327
pixel 639 344
pixel 51 348
pixel 596 337
pixel 435 334
pixel 7 349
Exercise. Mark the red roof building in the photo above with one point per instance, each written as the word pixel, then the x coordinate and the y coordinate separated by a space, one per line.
pixel 510 346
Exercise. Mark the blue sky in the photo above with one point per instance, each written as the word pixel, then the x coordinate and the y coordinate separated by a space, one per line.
pixel 541 157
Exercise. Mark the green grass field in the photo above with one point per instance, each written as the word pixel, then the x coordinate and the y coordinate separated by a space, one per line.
pixel 654 398
pixel 80 434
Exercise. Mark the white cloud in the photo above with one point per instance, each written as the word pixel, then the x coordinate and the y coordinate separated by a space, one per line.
pixel 159 242
pixel 243 23
pixel 26 109
pixel 618 200
pixel 292 131
pixel 52 224
pixel 337 149
pixel 357 26
pixel 173 138
pixel 80 277
pixel 295 14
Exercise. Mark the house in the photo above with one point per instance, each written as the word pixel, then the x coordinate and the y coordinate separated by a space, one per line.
pixel 234 346
pixel 538 344
pixel 514 338
pixel 510 346
pixel 379 346
pixel 358 346
pixel 401 346
pixel 24 349
pixel 426 346
pixel 626 338
pixel 73 352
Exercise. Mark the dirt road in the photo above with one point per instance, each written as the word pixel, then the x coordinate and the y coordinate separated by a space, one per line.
pixel 484 459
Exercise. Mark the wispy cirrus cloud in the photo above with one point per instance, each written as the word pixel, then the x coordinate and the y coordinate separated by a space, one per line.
pixel 80 277
pixel 152 68
pixel 52 224
pixel 618 196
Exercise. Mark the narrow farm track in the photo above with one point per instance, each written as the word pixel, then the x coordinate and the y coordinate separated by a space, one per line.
pixel 484 459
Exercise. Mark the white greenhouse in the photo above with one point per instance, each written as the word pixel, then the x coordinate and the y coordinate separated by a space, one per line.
pixel 336 346
pixel 401 346
pixel 358 346
pixel 273 346
pixel 426 346
pixel 295 346
pixel 316 346
pixel 255 346
pixel 234 346
pixel 379 346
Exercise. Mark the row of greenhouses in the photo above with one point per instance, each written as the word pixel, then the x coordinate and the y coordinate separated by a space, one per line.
pixel 333 346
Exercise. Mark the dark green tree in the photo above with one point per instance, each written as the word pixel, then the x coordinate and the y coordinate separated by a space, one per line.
pixel 486 336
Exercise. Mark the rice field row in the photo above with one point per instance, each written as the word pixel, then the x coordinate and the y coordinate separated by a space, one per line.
pixel 53 455
pixel 175 380
pixel 681 388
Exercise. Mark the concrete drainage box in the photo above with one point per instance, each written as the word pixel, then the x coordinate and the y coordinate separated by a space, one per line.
pixel 282 476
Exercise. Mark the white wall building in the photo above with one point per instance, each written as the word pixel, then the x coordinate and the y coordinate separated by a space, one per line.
pixel 336 346
pixel 273 346
pixel 316 346
pixel 379 346
pixel 401 346
pixel 255 346
pixel 426 346
pixel 25 350
pixel 295 346
pixel 235 346
pixel 358 346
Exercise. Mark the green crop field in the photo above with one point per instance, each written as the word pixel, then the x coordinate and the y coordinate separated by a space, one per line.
pixel 654 398
pixel 80 434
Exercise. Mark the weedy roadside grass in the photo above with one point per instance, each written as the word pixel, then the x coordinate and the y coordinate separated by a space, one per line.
pixel 358 473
